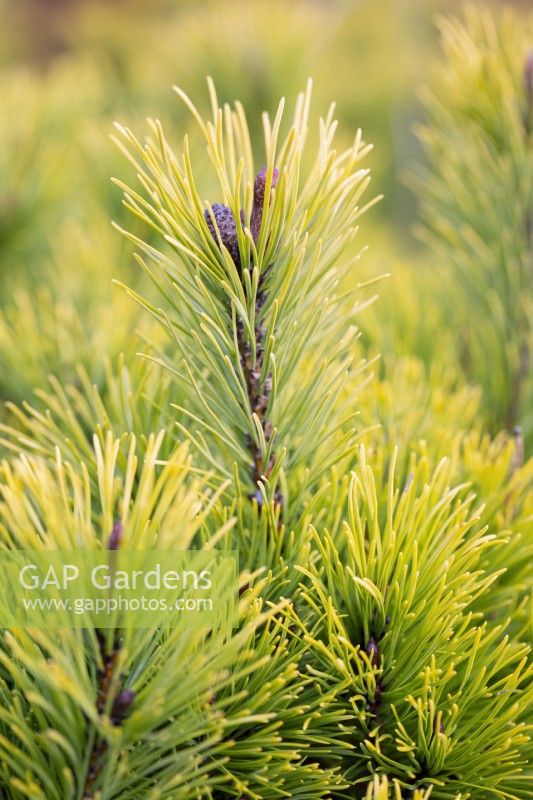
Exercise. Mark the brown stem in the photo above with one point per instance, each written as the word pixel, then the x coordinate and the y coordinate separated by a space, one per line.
pixel 105 675
pixel 374 654
pixel 105 678
pixel 258 392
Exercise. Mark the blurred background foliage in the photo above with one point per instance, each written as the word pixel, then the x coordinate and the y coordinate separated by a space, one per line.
pixel 72 67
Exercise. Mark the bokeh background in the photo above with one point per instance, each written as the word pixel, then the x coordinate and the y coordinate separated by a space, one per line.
pixel 72 66
pixel 69 68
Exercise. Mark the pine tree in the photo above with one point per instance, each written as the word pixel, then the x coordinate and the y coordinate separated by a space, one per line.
pixel 384 595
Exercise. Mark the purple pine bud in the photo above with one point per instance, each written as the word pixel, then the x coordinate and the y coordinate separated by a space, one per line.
pixel 116 536
pixel 121 706
pixel 227 229
pixel 259 200
pixel 372 650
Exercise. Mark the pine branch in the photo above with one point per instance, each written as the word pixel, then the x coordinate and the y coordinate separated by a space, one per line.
pixel 393 607
pixel 258 386
pixel 475 195
pixel 263 339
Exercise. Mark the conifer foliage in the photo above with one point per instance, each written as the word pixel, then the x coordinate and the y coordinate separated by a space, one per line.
pixel 381 646
pixel 475 195
pixel 262 328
